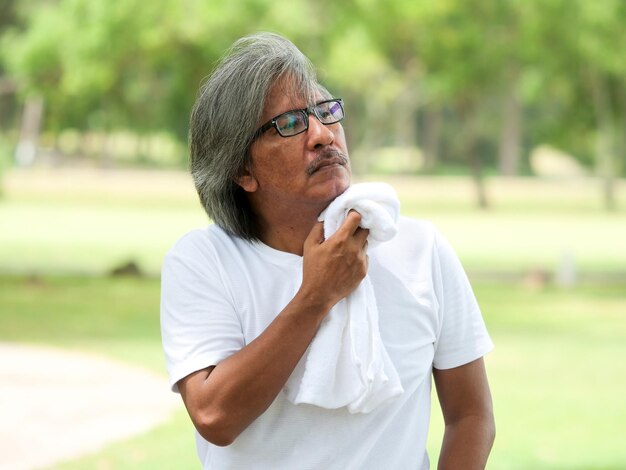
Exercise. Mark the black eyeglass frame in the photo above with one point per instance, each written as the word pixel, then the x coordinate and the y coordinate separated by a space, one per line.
pixel 307 112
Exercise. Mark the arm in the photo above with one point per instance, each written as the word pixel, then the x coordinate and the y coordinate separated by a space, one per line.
pixel 223 400
pixel 467 410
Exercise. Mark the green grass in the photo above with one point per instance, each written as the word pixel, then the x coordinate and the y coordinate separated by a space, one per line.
pixel 118 317
pixel 169 446
pixel 88 222
pixel 556 376
pixel 555 373
pixel 558 390
pixel 50 237
pixel 91 238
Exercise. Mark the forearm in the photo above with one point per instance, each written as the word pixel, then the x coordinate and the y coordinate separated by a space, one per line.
pixel 224 400
pixel 467 443
pixel 468 413
pixel 243 386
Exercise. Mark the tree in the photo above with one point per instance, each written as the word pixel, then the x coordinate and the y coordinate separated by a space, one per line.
pixel 473 83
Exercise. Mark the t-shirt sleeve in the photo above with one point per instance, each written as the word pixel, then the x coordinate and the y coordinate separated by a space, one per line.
pixel 199 323
pixel 462 336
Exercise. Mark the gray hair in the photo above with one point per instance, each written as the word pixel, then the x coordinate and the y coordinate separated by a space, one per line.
pixel 225 117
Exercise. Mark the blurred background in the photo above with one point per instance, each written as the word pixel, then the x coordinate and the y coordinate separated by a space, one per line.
pixel 502 121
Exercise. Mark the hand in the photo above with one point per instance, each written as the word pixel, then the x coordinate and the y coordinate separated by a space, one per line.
pixel 223 400
pixel 333 268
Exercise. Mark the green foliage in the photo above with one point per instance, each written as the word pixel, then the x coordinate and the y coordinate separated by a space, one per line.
pixel 131 65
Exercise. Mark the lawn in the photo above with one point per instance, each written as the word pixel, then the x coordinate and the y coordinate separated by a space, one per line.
pixel 558 390
pixel 88 221
pixel 558 396
pixel 556 377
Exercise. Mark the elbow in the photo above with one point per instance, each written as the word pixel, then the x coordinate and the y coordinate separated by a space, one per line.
pixel 221 440
pixel 216 429
pixel 217 438
pixel 487 427
pixel 491 429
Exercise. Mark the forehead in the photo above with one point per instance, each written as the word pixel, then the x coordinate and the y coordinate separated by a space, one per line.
pixel 284 95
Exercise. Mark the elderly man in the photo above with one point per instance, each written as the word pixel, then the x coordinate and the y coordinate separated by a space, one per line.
pixel 243 299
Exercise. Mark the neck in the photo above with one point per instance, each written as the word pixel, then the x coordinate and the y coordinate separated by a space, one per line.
pixel 288 233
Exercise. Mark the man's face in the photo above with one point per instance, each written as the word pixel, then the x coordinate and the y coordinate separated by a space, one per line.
pixel 311 168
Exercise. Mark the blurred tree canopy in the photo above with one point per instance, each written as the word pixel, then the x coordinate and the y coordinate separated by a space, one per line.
pixel 473 83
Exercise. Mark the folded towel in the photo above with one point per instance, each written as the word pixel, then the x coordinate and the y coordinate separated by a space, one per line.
pixel 347 364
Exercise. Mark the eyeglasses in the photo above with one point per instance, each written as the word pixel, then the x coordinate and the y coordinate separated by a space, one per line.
pixel 296 121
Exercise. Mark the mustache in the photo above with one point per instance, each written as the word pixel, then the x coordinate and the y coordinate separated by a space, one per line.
pixel 323 157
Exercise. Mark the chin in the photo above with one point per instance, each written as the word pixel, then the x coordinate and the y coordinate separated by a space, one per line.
pixel 331 182
pixel 338 187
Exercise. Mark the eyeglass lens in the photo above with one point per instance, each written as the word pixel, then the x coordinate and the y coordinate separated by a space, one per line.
pixel 294 122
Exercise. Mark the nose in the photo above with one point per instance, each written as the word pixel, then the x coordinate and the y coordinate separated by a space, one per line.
pixel 318 134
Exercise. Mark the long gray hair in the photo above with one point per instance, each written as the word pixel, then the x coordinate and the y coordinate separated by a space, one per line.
pixel 226 115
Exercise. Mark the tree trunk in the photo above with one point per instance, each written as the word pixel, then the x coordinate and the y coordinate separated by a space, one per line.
pixel 404 116
pixel 605 141
pixel 511 134
pixel 7 86
pixel 432 136
pixel 620 133
pixel 470 147
pixel 373 137
pixel 26 150
pixel 405 111
pixel 477 175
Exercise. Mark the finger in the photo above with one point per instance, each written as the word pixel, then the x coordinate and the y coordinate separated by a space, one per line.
pixel 364 259
pixel 361 235
pixel 316 235
pixel 351 224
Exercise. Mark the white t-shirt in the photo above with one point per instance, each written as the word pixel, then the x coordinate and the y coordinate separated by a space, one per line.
pixel 220 292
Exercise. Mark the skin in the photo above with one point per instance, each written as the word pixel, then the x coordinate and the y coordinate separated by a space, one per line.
pixel 287 198
pixel 467 409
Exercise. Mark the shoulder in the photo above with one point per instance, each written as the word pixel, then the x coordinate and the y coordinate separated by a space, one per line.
pixel 413 248
pixel 200 248
pixel 209 249
pixel 416 227
pixel 200 241
pixel 415 234
pixel 425 234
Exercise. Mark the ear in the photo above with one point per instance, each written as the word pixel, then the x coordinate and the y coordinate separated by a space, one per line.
pixel 247 181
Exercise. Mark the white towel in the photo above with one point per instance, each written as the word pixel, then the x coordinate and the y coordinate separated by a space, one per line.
pixel 347 364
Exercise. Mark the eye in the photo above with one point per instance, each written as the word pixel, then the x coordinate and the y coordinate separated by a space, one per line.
pixel 290 122
pixel 329 112
pixel 335 109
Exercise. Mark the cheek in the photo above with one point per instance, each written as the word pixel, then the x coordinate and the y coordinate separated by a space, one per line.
pixel 340 138
pixel 276 168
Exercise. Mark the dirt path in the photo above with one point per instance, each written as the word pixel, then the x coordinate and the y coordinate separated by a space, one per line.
pixel 56 405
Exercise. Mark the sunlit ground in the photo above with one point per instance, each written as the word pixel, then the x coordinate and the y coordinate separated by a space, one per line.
pixel 555 373
pixel 87 221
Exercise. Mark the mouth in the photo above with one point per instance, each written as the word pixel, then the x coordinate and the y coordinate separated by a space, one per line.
pixel 327 159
